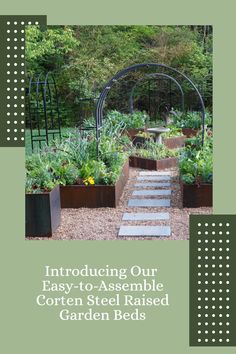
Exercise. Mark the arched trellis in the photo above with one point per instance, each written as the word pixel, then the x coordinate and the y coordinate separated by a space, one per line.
pixel 122 73
pixel 206 85
pixel 131 99
pixel 43 109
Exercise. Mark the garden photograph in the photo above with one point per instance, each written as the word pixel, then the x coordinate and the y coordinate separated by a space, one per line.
pixel 119 131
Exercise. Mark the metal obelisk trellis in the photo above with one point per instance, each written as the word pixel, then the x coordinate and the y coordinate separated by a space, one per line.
pixel 43 109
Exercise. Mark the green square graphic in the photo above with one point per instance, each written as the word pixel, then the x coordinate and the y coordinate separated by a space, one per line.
pixel 212 284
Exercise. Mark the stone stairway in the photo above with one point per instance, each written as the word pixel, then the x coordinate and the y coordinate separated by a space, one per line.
pixel 149 193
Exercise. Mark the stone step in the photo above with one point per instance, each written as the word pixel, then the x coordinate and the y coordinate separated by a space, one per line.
pixel 152 192
pixel 153 178
pixel 145 216
pixel 149 203
pixel 152 184
pixel 154 173
pixel 145 231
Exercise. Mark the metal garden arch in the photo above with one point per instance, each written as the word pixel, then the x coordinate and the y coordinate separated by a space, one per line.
pixel 131 100
pixel 122 73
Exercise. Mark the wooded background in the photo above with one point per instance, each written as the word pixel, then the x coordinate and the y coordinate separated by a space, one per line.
pixel 84 58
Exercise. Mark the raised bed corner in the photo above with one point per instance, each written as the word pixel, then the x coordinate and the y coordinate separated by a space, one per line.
pixel 43 213
pixel 148 164
pixel 96 196
pixel 189 133
pixel 195 196
pixel 175 142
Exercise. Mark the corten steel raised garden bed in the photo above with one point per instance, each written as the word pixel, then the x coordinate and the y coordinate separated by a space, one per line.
pixel 175 142
pixel 188 132
pixel 196 196
pixel 43 213
pixel 95 196
pixel 148 164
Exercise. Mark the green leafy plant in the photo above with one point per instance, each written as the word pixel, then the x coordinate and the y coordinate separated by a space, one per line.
pixel 174 131
pixel 39 175
pixel 137 120
pixel 78 147
pixel 196 164
pixel 152 150
pixel 74 160
pixel 191 119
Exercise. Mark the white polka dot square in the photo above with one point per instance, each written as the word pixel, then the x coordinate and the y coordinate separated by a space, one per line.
pixel 212 284
pixel 13 40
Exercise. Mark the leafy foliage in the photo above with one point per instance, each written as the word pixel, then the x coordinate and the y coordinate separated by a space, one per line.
pixel 196 164
pixel 152 150
pixel 85 57
pixel 137 120
pixel 174 131
pixel 39 175
pixel 49 50
pixel 191 119
pixel 73 161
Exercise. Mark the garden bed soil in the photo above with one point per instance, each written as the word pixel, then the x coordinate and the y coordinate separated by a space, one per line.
pixel 174 142
pixel 96 196
pixel 148 164
pixel 188 132
pixel 43 213
pixel 195 196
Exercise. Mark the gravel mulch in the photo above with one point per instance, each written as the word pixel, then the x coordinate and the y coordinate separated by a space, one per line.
pixel 104 223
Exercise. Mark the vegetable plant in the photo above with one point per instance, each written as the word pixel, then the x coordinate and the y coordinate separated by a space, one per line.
pixel 191 119
pixel 196 164
pixel 74 160
pixel 39 175
pixel 137 120
pixel 151 150
pixel 174 131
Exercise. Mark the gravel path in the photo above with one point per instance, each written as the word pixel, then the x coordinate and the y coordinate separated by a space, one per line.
pixel 104 223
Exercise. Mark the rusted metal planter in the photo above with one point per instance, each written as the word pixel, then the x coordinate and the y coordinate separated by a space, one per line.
pixel 148 164
pixel 188 132
pixel 96 196
pixel 196 196
pixel 43 213
pixel 176 142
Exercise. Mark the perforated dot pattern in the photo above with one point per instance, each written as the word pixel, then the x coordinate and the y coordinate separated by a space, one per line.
pixel 13 77
pixel 212 288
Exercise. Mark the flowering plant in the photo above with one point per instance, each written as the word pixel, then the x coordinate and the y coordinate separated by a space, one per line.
pixel 89 181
